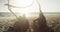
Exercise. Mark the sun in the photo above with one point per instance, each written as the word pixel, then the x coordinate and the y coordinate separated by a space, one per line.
pixel 29 7
pixel 21 3
pixel 25 13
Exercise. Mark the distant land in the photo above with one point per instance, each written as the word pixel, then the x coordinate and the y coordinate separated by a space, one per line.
pixel 43 12
pixel 8 14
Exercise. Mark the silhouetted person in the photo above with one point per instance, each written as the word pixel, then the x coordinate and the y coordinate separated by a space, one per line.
pixel 40 25
pixel 22 25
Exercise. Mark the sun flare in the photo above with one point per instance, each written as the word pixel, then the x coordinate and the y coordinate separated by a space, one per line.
pixel 28 11
pixel 21 3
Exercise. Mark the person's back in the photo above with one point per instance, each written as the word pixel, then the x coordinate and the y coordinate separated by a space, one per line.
pixel 40 25
pixel 20 26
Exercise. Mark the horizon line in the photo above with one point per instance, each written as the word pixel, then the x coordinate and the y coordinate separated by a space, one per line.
pixel 42 12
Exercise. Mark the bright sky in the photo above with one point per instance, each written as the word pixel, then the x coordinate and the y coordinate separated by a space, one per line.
pixel 46 5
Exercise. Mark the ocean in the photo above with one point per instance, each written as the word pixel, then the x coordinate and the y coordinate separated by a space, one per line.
pixel 8 14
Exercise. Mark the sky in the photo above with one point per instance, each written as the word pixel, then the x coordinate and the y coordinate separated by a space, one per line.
pixel 46 5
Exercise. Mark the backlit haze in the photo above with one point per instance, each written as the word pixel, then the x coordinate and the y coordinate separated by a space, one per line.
pixel 46 5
